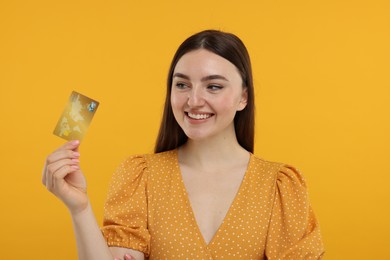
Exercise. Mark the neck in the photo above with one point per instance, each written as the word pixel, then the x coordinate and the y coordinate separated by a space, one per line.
pixel 212 153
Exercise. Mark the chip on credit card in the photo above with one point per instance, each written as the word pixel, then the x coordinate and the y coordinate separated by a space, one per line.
pixel 77 117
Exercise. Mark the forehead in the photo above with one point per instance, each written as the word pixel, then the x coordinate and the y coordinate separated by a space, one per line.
pixel 203 62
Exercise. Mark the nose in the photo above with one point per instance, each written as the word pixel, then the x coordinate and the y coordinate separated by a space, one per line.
pixel 196 97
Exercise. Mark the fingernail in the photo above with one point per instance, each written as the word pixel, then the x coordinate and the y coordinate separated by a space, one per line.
pixel 128 257
pixel 75 160
pixel 75 142
pixel 75 167
pixel 76 154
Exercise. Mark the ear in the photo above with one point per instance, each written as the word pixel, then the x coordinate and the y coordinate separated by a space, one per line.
pixel 244 99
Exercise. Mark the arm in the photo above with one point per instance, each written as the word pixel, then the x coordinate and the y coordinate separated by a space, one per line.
pixel 90 241
pixel 62 176
pixel 294 231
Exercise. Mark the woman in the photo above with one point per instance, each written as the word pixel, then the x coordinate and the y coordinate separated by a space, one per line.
pixel 203 194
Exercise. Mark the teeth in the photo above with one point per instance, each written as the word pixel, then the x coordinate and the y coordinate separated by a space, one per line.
pixel 199 116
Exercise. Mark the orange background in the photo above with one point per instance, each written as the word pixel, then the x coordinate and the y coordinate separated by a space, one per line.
pixel 321 71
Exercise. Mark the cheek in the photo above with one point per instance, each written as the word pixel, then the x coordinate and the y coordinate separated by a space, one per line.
pixel 177 101
pixel 173 102
pixel 229 105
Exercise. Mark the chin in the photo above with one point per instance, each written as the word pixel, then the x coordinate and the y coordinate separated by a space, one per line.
pixel 196 135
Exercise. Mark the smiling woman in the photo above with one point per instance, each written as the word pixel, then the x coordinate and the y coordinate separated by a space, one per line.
pixel 228 48
pixel 207 91
pixel 203 194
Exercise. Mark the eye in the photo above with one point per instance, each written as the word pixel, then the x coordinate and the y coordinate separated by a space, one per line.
pixel 181 85
pixel 214 87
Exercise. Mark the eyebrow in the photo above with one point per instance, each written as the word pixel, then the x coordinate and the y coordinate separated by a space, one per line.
pixel 210 77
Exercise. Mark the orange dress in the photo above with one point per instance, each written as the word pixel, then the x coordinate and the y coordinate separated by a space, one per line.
pixel 148 210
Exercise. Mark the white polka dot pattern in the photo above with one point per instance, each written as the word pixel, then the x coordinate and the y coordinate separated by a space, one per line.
pixel 148 209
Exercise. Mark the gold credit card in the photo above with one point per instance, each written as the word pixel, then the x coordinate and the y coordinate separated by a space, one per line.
pixel 76 117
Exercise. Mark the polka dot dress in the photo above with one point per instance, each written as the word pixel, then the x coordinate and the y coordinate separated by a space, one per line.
pixel 148 210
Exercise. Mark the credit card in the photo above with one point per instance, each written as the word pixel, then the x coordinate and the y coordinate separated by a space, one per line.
pixel 76 118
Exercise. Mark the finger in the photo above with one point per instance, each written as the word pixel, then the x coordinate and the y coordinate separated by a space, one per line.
pixel 44 174
pixel 64 151
pixel 59 175
pixel 61 154
pixel 54 158
pixel 128 257
pixel 71 145
pixel 52 168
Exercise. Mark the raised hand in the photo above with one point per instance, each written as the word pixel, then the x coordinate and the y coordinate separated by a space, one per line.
pixel 62 176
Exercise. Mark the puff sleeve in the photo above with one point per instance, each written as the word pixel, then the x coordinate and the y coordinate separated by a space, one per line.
pixel 294 231
pixel 125 210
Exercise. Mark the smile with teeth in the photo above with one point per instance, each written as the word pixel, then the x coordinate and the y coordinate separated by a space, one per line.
pixel 198 116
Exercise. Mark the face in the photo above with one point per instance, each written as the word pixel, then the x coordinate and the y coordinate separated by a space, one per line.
pixel 207 91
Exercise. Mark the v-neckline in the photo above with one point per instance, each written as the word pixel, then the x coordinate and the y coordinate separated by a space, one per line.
pixel 189 206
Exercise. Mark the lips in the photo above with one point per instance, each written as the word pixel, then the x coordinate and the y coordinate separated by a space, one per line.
pixel 198 116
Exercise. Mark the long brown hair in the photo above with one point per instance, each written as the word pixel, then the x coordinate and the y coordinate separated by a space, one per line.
pixel 230 47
